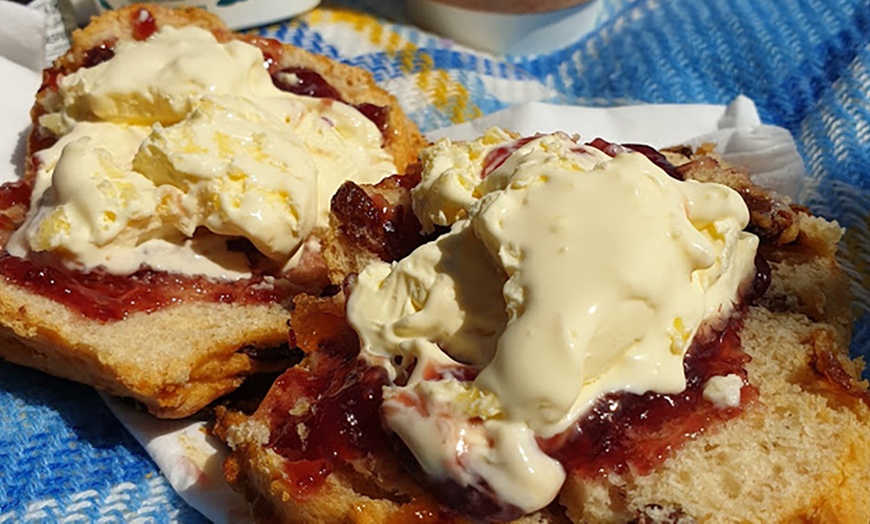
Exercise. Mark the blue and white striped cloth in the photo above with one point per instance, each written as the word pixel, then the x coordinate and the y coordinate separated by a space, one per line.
pixel 805 63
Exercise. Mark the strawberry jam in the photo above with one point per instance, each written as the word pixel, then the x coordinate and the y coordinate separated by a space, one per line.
pixel 390 231
pixel 325 413
pixel 15 194
pixel 305 82
pixel 638 432
pixel 379 115
pixel 651 153
pixel 106 297
pixel 143 24
pixel 98 54
pixel 498 155
pixel 342 425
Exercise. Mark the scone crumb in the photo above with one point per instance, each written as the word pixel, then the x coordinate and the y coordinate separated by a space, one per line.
pixel 247 432
pixel 302 431
pixel 300 408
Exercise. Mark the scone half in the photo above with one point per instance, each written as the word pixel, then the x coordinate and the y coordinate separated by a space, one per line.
pixel 795 447
pixel 171 339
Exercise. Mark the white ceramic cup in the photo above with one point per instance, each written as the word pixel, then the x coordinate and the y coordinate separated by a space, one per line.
pixel 508 26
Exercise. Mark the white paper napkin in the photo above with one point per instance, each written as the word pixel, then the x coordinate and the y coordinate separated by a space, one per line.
pixel 768 152
pixel 189 458
pixel 22 35
pixel 22 44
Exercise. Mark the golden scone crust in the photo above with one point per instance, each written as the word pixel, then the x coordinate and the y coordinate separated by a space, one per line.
pixel 179 358
pixel 174 360
pixel 800 452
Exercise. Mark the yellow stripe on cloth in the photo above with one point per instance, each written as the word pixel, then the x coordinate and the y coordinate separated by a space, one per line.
pixel 446 94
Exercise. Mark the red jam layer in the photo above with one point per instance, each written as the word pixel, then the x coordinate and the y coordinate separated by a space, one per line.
pixel 640 431
pixel 106 297
pixel 497 156
pixel 305 82
pixel 325 413
pixel 373 223
pixel 651 153
pixel 342 426
pixel 99 54
pixel 14 194
pixel 143 24
pixel 309 83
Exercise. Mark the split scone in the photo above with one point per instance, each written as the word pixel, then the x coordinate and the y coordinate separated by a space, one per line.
pixel 176 193
pixel 591 333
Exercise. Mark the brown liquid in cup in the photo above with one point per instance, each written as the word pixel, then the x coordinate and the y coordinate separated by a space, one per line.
pixel 513 6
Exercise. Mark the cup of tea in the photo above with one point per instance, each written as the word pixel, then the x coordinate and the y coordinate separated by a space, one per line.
pixel 508 26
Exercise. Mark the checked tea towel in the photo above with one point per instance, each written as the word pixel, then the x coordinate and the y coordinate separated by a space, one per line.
pixel 805 63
